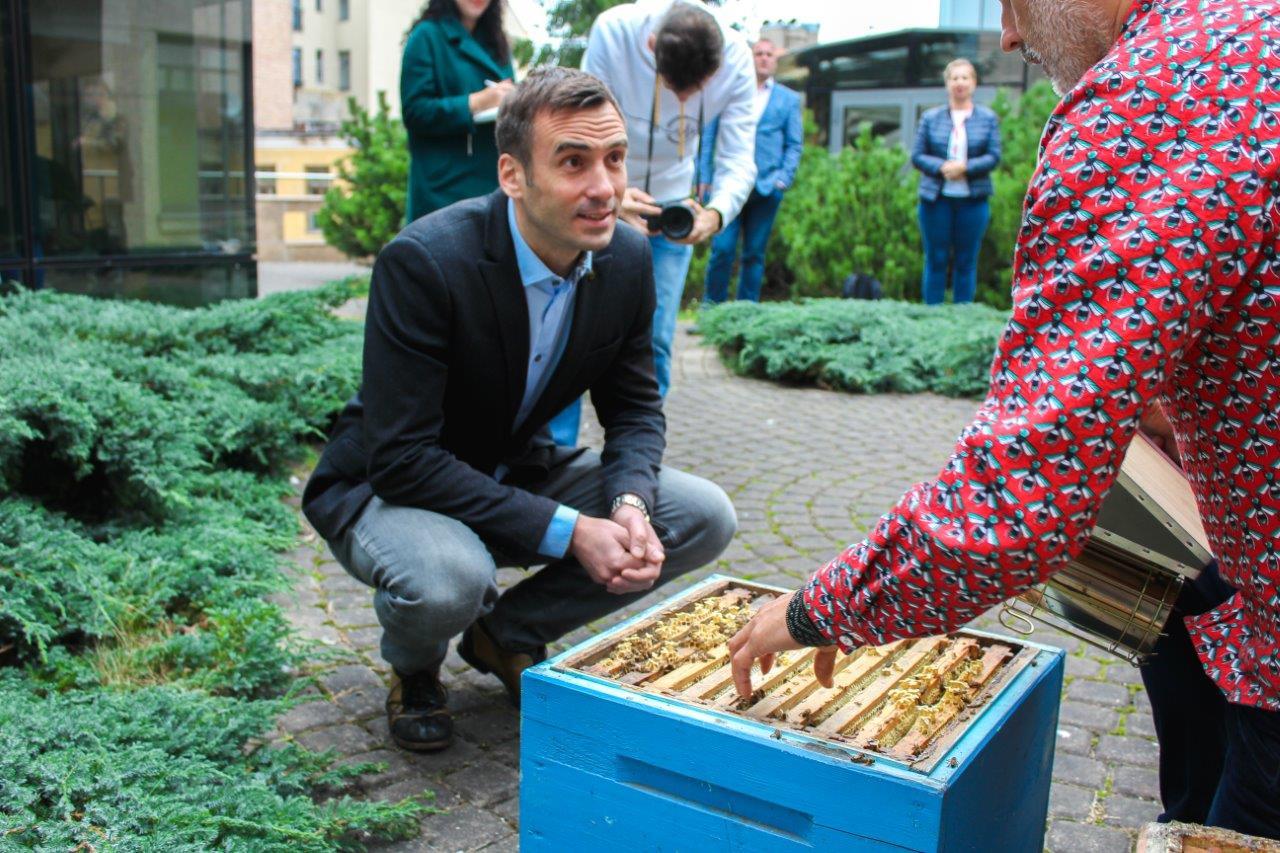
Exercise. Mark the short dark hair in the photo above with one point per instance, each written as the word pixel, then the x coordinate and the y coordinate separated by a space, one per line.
pixel 548 89
pixel 688 46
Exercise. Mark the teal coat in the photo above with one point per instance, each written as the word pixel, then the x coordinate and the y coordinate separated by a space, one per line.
pixel 450 156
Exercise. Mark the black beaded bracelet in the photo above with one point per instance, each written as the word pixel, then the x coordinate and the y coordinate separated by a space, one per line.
pixel 800 626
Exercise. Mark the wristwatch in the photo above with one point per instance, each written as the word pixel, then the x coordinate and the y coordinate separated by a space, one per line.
pixel 629 500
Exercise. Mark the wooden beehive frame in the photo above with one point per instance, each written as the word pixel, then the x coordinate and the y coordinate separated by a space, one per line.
pixel 908 700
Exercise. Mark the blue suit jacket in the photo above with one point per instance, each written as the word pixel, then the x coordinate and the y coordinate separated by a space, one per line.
pixel 779 141
pixel 933 138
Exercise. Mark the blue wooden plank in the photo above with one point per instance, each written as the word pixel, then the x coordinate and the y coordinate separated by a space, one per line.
pixel 998 798
pixel 773 789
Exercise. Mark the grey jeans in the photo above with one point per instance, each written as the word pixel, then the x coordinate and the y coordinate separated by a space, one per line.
pixel 433 576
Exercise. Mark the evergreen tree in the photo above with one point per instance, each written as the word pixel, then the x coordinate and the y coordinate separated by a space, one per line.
pixel 365 207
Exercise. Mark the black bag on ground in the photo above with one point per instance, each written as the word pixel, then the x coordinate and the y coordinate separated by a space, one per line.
pixel 861 286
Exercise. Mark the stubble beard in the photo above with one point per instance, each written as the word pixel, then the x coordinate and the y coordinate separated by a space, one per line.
pixel 1066 38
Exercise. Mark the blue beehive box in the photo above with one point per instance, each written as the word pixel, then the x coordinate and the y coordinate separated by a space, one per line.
pixel 607 765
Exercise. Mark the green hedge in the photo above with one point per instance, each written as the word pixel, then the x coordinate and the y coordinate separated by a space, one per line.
pixel 142 449
pixel 859 346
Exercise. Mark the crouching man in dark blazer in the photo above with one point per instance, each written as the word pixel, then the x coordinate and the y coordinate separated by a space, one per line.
pixel 485 319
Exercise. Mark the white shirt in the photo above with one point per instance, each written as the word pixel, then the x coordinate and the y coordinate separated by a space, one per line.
pixel 958 149
pixel 618 53
pixel 763 93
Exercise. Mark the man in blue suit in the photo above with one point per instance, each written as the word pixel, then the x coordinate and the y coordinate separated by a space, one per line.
pixel 779 140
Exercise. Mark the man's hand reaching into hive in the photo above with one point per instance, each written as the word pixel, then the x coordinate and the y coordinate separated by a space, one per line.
pixel 607 550
pixel 763 637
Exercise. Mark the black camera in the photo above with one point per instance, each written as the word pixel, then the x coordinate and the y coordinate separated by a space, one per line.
pixel 674 221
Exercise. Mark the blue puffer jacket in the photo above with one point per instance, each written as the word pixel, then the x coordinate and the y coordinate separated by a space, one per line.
pixel 933 138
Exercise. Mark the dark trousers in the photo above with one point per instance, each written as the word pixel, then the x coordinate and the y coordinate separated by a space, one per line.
pixel 754 224
pixel 1219 762
pixel 952 230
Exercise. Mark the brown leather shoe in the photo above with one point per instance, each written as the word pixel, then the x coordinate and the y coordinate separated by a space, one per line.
pixel 478 649
pixel 417 713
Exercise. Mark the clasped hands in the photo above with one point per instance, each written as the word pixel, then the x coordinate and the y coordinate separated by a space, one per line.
pixel 953 170
pixel 622 553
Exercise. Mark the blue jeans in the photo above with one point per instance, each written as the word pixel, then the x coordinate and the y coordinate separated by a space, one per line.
pixel 1219 762
pixel 670 266
pixel 952 230
pixel 433 576
pixel 754 224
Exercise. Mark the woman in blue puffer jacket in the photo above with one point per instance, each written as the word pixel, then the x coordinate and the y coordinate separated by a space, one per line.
pixel 956 147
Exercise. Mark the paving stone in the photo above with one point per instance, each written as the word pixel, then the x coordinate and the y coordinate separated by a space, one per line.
pixel 485 782
pixel 458 756
pixel 351 677
pixel 1070 801
pixel 1073 740
pixel 1140 782
pixel 490 726
pixel 364 638
pixel 418 788
pixel 1082 667
pixel 466 827
pixel 1140 723
pixel 310 715
pixel 510 844
pixel 397 767
pixel 1129 812
pixel 1078 770
pixel 1086 715
pixel 345 739
pixel 363 703
pixel 508 810
pixel 507 753
pixel 1099 693
pixel 1127 750
pixel 1069 837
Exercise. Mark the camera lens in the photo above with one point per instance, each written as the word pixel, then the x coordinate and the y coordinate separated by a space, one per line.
pixel 676 221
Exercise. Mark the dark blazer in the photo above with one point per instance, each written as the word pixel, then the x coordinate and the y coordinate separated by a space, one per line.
pixel 450 156
pixel 445 361
pixel 933 138
pixel 779 143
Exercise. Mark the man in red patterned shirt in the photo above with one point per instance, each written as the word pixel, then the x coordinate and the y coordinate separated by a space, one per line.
pixel 1146 279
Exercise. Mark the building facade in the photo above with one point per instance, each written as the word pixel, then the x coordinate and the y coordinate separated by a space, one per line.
pixel 311 57
pixel 969 14
pixel 889 80
pixel 127 148
pixel 789 36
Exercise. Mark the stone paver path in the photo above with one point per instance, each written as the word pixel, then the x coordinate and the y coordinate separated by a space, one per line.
pixel 809 471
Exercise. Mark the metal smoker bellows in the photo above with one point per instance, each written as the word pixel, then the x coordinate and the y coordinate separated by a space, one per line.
pixel 1120 591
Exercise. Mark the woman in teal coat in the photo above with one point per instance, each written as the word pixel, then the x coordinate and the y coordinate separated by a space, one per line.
pixel 456 68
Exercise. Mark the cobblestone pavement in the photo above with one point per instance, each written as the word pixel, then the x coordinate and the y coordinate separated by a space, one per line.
pixel 809 471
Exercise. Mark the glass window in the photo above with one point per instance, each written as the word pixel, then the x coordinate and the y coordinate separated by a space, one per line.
pixel 297 67
pixel 317 185
pixel 344 70
pixel 344 10
pixel 265 179
pixel 297 16
pixel 320 66
pixel 139 128
pixel 885 121
pixel 319 5
pixel 10 246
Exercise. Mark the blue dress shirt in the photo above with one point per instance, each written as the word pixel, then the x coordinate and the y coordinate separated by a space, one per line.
pixel 550 300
